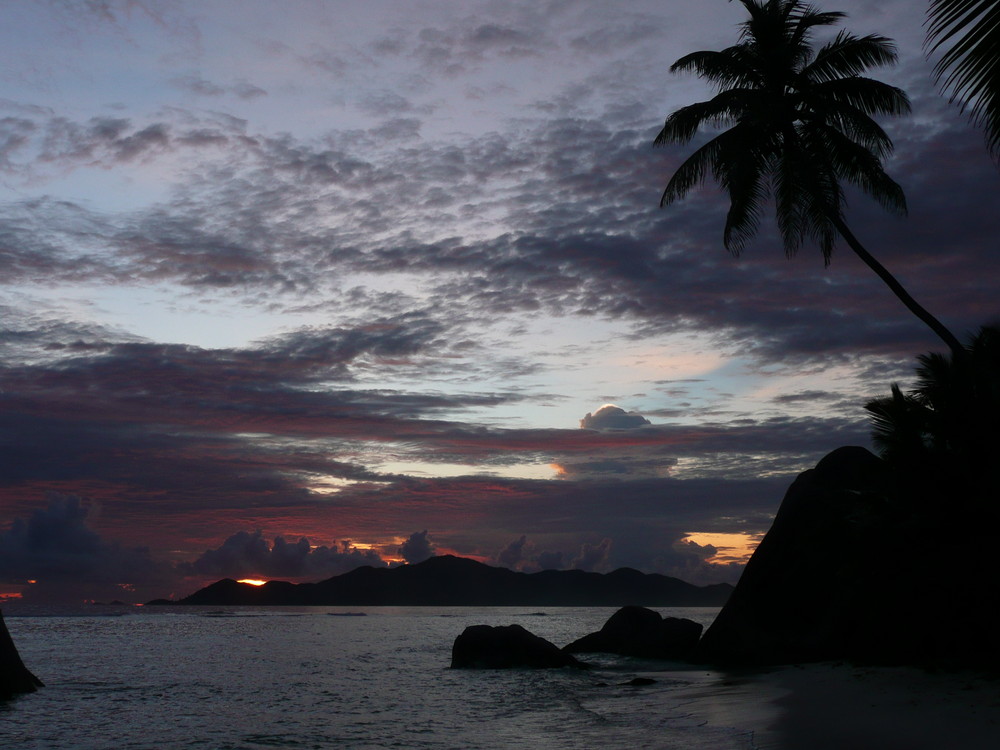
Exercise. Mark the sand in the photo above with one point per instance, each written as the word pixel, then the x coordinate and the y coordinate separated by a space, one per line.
pixel 844 707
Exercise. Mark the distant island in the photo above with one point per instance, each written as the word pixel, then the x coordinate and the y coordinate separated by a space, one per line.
pixel 449 581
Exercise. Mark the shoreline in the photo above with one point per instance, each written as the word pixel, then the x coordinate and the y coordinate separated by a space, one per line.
pixel 832 706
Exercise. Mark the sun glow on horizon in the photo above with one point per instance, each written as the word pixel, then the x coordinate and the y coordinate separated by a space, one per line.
pixel 252 581
pixel 730 547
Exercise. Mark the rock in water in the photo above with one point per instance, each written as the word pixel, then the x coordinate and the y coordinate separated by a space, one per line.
pixel 503 647
pixel 637 631
pixel 14 676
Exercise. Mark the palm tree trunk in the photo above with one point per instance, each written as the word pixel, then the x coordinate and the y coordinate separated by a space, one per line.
pixel 957 350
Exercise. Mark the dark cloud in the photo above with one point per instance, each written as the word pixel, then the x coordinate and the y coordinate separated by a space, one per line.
pixel 249 555
pixel 505 40
pixel 611 417
pixel 390 104
pixel 625 33
pixel 195 84
pixel 267 421
pixel 593 557
pixel 806 396
pixel 511 555
pixel 401 129
pixel 692 562
pixel 675 555
pixel 417 547
pixel 40 144
pixel 101 138
pixel 83 16
pixel 588 240
pixel 624 464
pixel 56 555
pixel 423 255
pixel 549 560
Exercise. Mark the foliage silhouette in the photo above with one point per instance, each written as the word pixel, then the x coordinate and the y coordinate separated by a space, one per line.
pixel 968 31
pixel 799 122
pixel 947 425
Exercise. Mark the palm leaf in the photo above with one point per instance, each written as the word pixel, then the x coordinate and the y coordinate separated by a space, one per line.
pixel 970 65
pixel 722 109
pixel 899 426
pixel 725 68
pixel 713 155
pixel 849 55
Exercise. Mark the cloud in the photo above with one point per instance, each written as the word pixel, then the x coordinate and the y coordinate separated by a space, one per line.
pixel 249 555
pixel 592 557
pixel 195 84
pixel 424 263
pixel 390 104
pixel 417 547
pixel 563 251
pixel 611 417
pixel 511 555
pixel 626 32
pixel 57 556
pixel 550 560
pixel 666 551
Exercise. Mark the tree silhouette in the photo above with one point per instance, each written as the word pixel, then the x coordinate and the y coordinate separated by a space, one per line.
pixel 799 123
pixel 969 31
pixel 947 425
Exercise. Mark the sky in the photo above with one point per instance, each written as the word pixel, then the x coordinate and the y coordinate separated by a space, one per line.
pixel 288 288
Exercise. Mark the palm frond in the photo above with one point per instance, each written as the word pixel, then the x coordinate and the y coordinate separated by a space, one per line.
pixel 725 68
pixel 865 94
pixel 791 212
pixel 744 176
pixel 692 170
pixel 854 124
pixel 970 66
pixel 948 420
pixel 722 109
pixel 857 165
pixel 821 204
pixel 935 380
pixel 806 18
pixel 899 426
pixel 849 55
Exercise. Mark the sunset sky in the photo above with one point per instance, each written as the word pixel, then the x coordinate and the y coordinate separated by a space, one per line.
pixel 392 277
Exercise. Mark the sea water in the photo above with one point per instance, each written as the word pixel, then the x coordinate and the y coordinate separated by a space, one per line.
pixel 314 677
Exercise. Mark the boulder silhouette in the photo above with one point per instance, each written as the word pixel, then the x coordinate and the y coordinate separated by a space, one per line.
pixel 852 568
pixel 637 631
pixel 14 676
pixel 503 647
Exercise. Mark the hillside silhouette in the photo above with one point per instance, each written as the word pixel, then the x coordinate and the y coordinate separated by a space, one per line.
pixel 447 580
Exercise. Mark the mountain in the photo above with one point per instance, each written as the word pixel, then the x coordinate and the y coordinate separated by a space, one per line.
pixel 446 580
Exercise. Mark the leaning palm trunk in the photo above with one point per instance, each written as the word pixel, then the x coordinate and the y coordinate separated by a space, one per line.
pixel 957 350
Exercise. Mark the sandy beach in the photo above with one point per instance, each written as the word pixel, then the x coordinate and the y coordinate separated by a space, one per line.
pixel 837 706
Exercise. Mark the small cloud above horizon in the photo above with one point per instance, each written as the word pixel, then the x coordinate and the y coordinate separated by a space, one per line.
pixel 611 417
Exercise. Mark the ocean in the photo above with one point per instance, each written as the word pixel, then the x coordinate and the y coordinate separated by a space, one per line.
pixel 329 677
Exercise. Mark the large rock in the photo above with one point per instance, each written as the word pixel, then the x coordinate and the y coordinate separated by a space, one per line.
pixel 849 570
pixel 637 631
pixel 503 647
pixel 14 676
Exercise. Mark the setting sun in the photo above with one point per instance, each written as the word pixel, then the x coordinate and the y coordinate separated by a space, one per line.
pixel 252 581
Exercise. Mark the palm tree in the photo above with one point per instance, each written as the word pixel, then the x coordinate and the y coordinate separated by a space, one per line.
pixel 971 65
pixel 799 123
